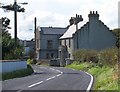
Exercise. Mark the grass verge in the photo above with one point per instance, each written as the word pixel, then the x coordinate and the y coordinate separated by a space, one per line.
pixel 18 73
pixel 106 77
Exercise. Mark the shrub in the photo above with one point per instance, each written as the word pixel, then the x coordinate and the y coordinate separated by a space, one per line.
pixel 86 55
pixel 31 61
pixel 108 56
pixel 91 55
pixel 80 55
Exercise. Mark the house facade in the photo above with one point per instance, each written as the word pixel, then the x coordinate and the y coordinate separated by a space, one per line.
pixel 0 39
pixel 47 42
pixel 93 34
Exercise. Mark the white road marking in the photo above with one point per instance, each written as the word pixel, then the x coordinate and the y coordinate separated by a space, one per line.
pixel 52 68
pixel 19 91
pixel 91 82
pixel 35 71
pixel 47 78
pixel 73 69
pixel 58 70
pixel 51 78
pixel 43 67
pixel 59 75
pixel 35 84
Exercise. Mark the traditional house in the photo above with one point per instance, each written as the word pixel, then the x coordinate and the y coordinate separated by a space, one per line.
pixel 47 42
pixel 67 39
pixel 93 34
pixel 0 38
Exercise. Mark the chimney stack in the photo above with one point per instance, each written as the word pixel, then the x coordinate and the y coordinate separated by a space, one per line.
pixel 93 15
pixel 78 19
pixel 71 21
pixel 75 20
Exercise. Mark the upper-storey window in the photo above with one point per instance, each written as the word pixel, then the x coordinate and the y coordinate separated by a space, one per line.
pixel 49 44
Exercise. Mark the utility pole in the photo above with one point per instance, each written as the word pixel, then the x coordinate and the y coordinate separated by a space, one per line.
pixel 15 22
pixel 35 28
pixel 16 8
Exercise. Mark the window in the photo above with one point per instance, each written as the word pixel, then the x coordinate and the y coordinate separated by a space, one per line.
pixel 49 44
pixel 47 55
pixel 65 43
pixel 69 43
pixel 60 42
pixel 52 55
pixel 68 55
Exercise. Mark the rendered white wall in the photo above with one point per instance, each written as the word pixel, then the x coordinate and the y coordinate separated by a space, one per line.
pixel 12 66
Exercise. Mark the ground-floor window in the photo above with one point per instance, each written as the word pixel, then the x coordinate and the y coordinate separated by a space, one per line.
pixel 52 55
pixel 47 55
pixel 68 55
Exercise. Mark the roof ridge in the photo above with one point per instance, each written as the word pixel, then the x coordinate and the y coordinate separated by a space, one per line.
pixel 104 25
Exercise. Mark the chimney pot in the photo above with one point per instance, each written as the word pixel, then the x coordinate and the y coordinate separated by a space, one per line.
pixel 90 12
pixel 96 12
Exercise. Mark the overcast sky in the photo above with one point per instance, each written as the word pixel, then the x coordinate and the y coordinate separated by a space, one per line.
pixel 57 13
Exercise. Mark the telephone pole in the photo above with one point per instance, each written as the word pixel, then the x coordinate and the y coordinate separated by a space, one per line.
pixel 15 22
pixel 16 8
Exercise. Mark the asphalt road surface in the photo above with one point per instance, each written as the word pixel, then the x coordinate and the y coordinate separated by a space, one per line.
pixel 50 78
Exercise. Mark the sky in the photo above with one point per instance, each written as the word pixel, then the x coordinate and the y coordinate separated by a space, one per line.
pixel 56 13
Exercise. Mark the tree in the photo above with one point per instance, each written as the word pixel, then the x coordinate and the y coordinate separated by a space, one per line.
pixel 9 51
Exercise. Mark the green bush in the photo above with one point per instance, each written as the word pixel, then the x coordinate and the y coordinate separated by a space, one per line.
pixel 108 56
pixel 79 55
pixel 31 61
pixel 86 55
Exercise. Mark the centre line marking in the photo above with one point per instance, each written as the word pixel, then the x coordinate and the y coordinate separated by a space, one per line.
pixel 58 75
pixel 51 78
pixel 52 68
pixel 48 78
pixel 58 70
pixel 35 84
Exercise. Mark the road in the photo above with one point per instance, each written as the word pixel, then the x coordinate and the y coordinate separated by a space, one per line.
pixel 50 78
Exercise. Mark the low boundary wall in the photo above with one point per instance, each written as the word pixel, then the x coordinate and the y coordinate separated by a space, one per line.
pixel 12 65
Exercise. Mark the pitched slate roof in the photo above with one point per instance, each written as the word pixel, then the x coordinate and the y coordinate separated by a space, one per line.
pixel 53 30
pixel 71 30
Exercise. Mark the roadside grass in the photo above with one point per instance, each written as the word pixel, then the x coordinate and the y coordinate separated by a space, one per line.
pixel 106 77
pixel 18 73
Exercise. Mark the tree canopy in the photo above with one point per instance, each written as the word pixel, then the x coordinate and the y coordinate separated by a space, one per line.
pixel 9 50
